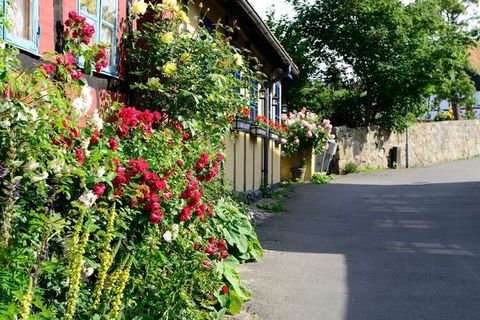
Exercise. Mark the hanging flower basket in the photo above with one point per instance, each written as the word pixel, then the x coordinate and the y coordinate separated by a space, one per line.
pixel 241 125
pixel 274 136
pixel 258 131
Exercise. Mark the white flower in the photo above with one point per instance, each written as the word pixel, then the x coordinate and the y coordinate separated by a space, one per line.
pixel 88 272
pixel 85 143
pixel 83 103
pixel 22 116
pixel 100 172
pixel 40 177
pixel 88 199
pixel 2 45
pixel 96 121
pixel 56 165
pixel 175 230
pixel 167 236
pixel 30 166
pixel 5 124
pixel 33 114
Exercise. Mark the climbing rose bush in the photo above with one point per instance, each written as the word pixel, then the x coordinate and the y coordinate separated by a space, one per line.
pixel 111 212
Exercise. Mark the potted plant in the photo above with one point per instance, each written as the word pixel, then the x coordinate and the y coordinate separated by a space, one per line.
pixel 259 127
pixel 242 120
pixel 306 133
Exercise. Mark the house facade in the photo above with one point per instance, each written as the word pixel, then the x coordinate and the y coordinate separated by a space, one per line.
pixel 253 160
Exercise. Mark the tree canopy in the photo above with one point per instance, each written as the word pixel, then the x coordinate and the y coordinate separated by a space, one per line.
pixel 375 61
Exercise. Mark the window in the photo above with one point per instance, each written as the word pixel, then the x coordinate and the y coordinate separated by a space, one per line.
pixel 24 28
pixel 102 14
pixel 276 102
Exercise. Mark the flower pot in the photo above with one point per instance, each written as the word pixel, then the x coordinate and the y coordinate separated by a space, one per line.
pixel 273 136
pixel 258 131
pixel 241 125
pixel 298 173
pixel 283 140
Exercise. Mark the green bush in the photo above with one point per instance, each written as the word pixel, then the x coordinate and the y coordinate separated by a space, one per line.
pixel 350 167
pixel 321 178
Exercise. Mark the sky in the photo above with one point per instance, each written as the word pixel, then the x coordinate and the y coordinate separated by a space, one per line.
pixel 262 6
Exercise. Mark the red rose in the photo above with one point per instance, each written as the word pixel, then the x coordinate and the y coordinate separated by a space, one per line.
pixel 167 196
pixel 210 250
pixel 155 218
pixel 80 156
pixel 49 68
pixel 225 289
pixel 113 144
pixel 155 207
pixel 196 246
pixel 76 74
pixel 94 138
pixel 225 255
pixel 180 163
pixel 221 245
pixel 186 136
pixel 199 166
pixel 99 189
pixel 220 156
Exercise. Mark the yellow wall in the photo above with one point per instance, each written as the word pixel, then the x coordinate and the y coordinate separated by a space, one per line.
pixel 294 161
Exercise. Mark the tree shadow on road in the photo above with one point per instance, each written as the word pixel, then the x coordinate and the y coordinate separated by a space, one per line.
pixel 410 251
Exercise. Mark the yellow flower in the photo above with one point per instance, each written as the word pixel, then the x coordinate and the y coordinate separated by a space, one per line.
pixel 167 37
pixel 139 7
pixel 171 4
pixel 237 59
pixel 169 68
pixel 185 57
pixel 183 17
pixel 154 82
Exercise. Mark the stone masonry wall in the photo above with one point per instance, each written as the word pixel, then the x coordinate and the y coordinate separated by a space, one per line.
pixel 430 143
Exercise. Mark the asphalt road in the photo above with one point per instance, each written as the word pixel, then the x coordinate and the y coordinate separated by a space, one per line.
pixel 399 244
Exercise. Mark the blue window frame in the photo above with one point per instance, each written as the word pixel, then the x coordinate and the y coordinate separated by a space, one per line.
pixel 24 28
pixel 276 102
pixel 103 15
pixel 254 101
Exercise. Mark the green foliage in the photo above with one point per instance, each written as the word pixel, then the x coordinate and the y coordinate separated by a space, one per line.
pixel 271 207
pixel 350 167
pixel 232 224
pixel 376 61
pixel 120 214
pixel 321 178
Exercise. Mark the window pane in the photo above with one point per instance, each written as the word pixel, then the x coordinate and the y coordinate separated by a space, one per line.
pixel 107 38
pixel 20 13
pixel 108 10
pixel 89 6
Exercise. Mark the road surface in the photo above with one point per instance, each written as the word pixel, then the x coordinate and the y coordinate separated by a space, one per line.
pixel 392 245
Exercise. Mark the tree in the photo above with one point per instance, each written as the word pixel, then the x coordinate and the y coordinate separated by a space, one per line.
pixel 390 56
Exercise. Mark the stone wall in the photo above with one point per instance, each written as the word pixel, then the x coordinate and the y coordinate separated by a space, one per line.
pixel 430 142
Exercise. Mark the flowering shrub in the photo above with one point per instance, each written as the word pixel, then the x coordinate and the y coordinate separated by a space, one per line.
pixel 445 116
pixel 306 132
pixel 112 213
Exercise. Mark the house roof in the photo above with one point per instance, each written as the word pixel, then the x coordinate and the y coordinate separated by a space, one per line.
pixel 255 27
